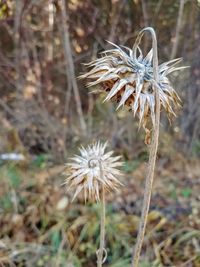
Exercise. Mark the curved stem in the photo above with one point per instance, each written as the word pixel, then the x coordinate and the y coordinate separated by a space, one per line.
pixel 102 230
pixel 152 153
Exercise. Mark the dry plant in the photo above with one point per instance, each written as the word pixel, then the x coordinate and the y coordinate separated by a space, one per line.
pixel 94 172
pixel 141 84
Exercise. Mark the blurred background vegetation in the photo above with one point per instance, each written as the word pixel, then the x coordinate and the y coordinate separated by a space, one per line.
pixel 46 112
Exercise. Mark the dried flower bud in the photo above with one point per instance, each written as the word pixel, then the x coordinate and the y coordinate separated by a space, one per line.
pixel 128 79
pixel 93 169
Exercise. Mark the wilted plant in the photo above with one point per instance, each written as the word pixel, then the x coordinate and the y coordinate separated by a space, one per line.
pixel 141 84
pixel 94 171
pixel 127 76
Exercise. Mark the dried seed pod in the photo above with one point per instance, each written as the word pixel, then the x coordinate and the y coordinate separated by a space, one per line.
pixel 92 169
pixel 128 79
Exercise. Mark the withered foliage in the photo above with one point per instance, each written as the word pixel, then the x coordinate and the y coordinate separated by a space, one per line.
pixel 40 226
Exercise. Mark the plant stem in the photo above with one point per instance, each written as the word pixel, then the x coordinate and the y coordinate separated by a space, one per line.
pixel 102 230
pixel 178 28
pixel 152 153
pixel 70 69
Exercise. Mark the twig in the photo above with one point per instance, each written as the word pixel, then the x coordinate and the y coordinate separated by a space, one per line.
pixel 157 10
pixel 178 29
pixel 70 71
pixel 8 110
pixel 185 264
pixel 152 154
pixel 146 22
pixel 114 18
pixel 145 13
pixel 17 42
pixel 50 33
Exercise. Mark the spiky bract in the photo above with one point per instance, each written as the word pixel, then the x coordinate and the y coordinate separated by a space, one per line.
pixel 92 169
pixel 128 78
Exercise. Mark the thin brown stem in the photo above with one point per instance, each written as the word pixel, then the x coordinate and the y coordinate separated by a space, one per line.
pixel 152 154
pixel 100 252
pixel 70 69
pixel 178 29
pixel 50 31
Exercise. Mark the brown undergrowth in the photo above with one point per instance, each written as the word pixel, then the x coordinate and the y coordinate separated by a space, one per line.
pixel 39 227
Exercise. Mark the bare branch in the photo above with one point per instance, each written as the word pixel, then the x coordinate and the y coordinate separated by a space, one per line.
pixel 178 29
pixel 70 71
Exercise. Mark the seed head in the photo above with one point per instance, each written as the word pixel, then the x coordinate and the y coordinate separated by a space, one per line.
pixel 128 78
pixel 92 169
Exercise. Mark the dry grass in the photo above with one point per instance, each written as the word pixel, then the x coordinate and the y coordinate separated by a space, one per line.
pixel 39 226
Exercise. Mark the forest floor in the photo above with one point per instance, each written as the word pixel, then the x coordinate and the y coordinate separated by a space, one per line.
pixel 41 227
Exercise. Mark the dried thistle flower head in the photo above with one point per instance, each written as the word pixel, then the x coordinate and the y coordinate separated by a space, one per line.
pixel 128 79
pixel 92 169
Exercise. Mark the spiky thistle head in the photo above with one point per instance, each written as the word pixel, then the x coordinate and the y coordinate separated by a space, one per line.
pixel 92 169
pixel 127 77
